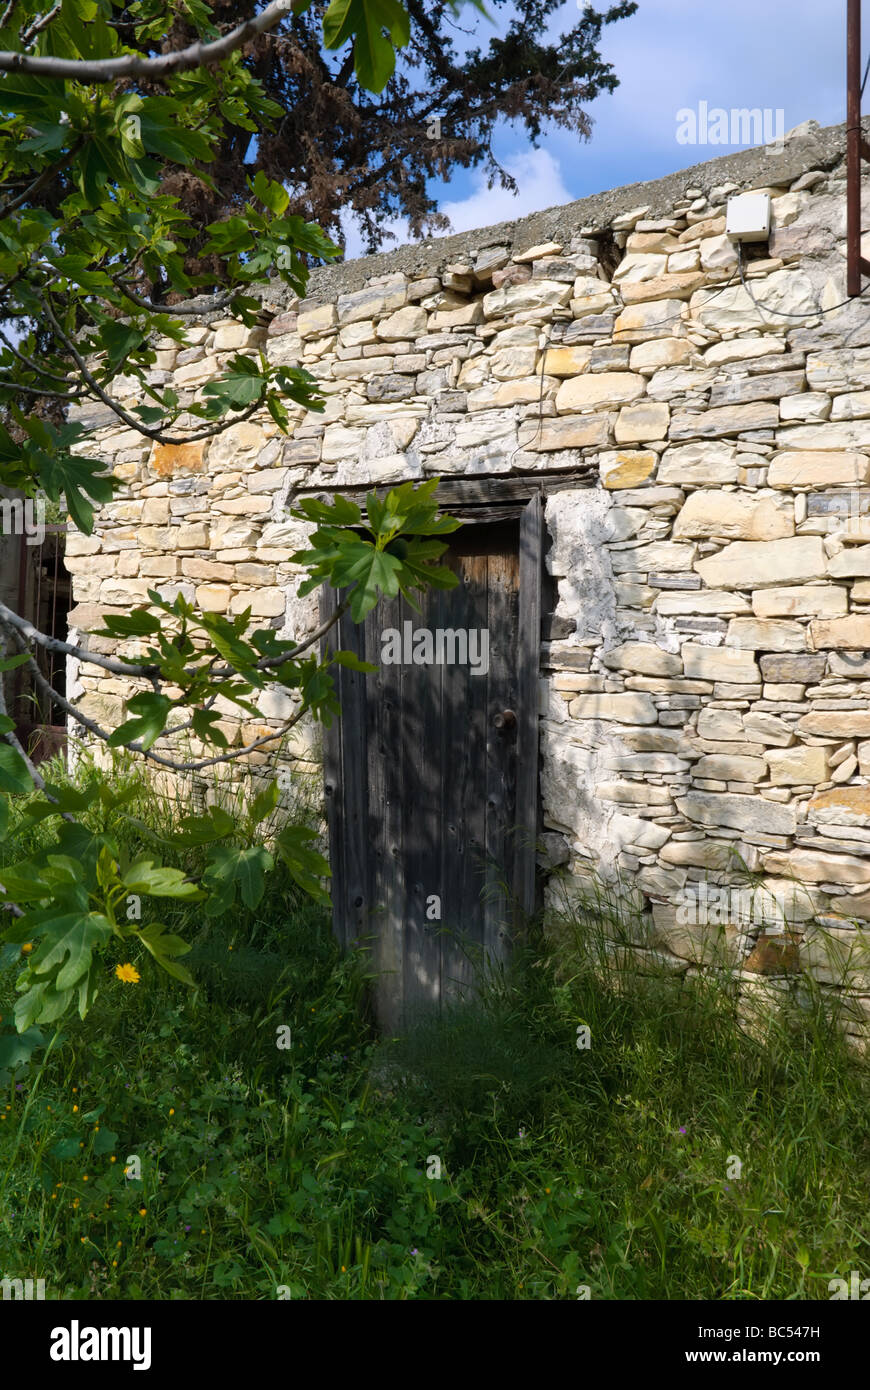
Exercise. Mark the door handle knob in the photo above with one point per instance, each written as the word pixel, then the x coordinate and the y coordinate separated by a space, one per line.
pixel 505 720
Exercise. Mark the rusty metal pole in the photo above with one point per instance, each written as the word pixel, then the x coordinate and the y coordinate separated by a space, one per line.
pixel 853 150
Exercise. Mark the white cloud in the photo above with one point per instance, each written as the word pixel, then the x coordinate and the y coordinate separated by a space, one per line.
pixel 540 185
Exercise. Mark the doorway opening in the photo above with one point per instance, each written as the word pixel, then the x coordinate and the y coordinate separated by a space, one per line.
pixel 431 772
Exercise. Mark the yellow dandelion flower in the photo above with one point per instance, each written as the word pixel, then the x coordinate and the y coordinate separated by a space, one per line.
pixel 114 1264
pixel 84 1177
pixel 142 1211
pixel 128 973
pixel 172 1112
pixel 75 1108
pixel 27 948
pixel 113 1159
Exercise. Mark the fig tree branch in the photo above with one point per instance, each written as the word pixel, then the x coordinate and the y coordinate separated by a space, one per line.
pixel 196 55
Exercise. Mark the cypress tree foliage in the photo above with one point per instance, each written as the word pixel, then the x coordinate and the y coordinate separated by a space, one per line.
pixel 339 147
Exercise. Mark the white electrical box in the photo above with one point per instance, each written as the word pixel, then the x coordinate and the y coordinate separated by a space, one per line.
pixel 748 217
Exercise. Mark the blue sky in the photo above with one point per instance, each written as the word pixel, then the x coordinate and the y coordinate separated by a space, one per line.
pixel 673 54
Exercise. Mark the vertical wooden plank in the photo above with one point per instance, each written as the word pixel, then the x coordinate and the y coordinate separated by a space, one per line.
pixel 385 827
pixel 423 720
pixel 354 744
pixel 528 666
pixel 464 759
pixel 501 609
pixel 333 788
pixel 344 750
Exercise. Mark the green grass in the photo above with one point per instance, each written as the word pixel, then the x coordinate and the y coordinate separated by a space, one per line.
pixel 310 1168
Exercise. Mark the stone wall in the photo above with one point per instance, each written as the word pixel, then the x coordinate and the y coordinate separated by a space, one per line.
pixel 706 678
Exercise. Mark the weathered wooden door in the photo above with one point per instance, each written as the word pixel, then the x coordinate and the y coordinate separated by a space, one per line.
pixel 431 773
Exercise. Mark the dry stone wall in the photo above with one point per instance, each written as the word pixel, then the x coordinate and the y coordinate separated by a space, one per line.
pixel 706 673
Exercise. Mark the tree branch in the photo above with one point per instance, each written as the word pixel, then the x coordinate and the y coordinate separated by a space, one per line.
pixel 200 305
pixel 25 629
pixel 40 391
pixel 158 435
pixel 44 178
pixel 265 662
pixel 54 644
pixel 33 366
pixel 42 22
pixel 93 727
pixel 197 55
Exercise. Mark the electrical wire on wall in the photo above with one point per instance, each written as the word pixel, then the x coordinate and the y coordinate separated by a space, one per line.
pixel 764 312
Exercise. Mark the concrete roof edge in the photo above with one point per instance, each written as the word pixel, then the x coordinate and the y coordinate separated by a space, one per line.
pixel 813 148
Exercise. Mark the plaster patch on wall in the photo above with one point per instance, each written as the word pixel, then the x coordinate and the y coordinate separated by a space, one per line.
pixel 580 526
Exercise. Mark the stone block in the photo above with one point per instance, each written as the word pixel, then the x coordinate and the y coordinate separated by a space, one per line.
pixel 726 420
pixel 830 723
pixel 637 424
pixel 626 468
pixel 734 811
pixel 168 460
pixel 594 391
pixel 316 321
pixel 767 634
pixel 532 295
pixel 571 432
pixel 699 465
pixel 765 564
pixel 805 670
pixel 645 658
pixel 793 767
pixel 797 469
pixel 623 709
pixel 720 664
pixel 734 516
pixel 639 323
pixel 408 323
pixel 729 767
pixel 801 601
pixel 851 633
